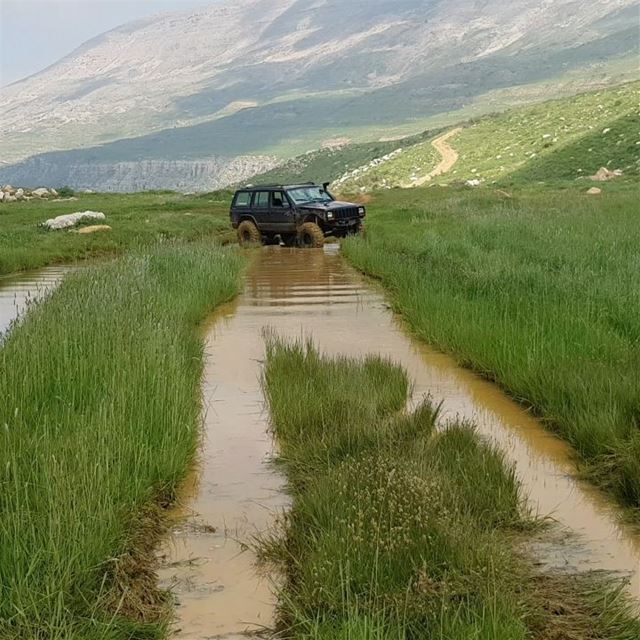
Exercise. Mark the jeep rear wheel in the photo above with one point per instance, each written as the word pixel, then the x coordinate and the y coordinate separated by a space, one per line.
pixel 310 236
pixel 248 233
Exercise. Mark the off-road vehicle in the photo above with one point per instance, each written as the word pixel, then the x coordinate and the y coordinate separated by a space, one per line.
pixel 298 214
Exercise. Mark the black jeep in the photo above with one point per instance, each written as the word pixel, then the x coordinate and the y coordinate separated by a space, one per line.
pixel 298 214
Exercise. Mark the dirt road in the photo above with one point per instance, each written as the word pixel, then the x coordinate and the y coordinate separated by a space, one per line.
pixel 449 157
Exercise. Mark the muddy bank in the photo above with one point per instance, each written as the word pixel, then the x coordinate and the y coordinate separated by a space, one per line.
pixel 314 293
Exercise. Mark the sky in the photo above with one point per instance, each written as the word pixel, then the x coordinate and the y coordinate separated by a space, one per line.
pixel 37 33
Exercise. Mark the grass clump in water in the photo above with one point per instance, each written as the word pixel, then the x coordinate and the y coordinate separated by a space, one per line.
pixel 99 422
pixel 399 530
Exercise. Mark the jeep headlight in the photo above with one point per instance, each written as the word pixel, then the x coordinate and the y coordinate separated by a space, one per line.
pixel 361 211
pixel 329 215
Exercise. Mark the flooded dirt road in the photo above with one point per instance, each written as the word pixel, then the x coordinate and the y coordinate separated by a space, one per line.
pixel 18 289
pixel 314 293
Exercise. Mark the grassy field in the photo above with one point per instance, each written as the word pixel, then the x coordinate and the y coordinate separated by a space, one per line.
pixel 538 292
pixel 399 532
pixel 137 220
pixel 99 422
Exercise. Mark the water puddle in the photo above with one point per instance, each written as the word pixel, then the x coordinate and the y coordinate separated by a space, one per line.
pixel 314 293
pixel 18 290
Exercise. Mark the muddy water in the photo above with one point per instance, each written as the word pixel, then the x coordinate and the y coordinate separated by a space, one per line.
pixel 314 293
pixel 16 291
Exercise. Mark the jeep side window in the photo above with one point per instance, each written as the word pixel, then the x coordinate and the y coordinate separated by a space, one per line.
pixel 278 199
pixel 243 199
pixel 261 200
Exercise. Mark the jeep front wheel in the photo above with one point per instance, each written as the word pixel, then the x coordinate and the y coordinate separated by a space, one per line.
pixel 310 236
pixel 248 233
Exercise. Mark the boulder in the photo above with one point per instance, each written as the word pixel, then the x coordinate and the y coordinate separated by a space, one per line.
pixel 1 196
pixel 8 189
pixel 41 192
pixel 72 219
pixel 594 191
pixel 603 174
pixel 9 198
pixel 473 183
pixel 53 192
pixel 20 194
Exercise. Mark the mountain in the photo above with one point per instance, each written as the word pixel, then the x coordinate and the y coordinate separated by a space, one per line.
pixel 265 78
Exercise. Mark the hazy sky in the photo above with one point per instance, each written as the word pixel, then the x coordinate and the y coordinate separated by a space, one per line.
pixel 36 33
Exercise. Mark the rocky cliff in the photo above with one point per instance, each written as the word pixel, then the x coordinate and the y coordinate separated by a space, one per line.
pixel 177 175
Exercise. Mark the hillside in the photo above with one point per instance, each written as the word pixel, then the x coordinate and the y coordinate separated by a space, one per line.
pixel 558 139
pixel 329 163
pixel 264 78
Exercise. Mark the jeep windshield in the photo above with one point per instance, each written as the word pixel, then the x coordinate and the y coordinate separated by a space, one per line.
pixel 309 195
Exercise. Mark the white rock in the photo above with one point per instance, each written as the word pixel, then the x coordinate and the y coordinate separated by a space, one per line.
pixel 594 191
pixel 53 192
pixel 19 194
pixel 473 183
pixel 1 196
pixel 9 198
pixel 72 219
pixel 604 131
pixel 8 189
pixel 41 192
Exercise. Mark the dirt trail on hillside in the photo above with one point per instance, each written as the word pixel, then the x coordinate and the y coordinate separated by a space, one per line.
pixel 237 491
pixel 449 158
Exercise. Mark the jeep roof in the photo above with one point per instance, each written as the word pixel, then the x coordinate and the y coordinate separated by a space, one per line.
pixel 262 187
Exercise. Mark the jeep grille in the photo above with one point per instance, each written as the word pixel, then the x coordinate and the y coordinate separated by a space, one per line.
pixel 343 213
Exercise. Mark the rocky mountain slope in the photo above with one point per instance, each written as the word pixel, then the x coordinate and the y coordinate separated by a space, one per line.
pixel 265 77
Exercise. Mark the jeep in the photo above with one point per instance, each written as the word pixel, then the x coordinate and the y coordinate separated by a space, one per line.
pixel 300 215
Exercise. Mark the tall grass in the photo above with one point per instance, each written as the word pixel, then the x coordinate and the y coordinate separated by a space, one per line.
pixel 398 531
pixel 99 421
pixel 538 292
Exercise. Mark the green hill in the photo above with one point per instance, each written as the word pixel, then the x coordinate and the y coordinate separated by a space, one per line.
pixel 551 135
pixel 618 148
pixel 330 163
pixel 554 140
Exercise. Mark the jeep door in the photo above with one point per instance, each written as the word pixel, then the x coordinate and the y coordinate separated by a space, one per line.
pixel 281 213
pixel 260 210
pixel 240 206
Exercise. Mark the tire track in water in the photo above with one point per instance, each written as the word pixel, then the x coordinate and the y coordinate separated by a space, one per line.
pixel 238 491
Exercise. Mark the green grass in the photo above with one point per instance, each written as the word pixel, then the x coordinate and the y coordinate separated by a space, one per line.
pixel 401 532
pixel 496 146
pixel 618 148
pixel 99 422
pixel 137 220
pixel 409 164
pixel 328 164
pixel 552 141
pixel 538 292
